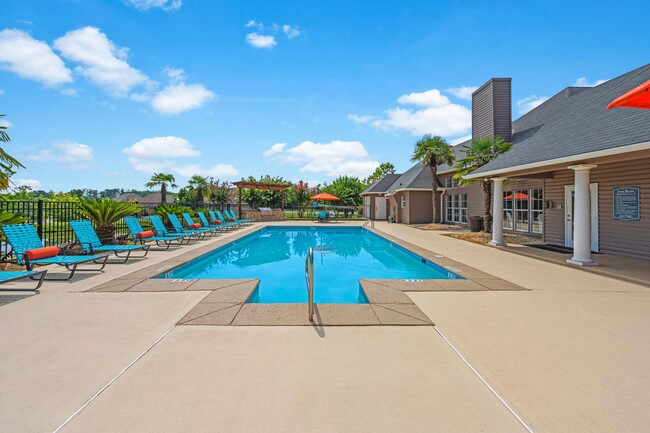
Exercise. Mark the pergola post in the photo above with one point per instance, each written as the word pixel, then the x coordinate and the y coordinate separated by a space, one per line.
pixel 239 207
pixel 282 200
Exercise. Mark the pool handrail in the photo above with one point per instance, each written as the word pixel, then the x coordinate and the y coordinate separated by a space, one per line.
pixel 309 279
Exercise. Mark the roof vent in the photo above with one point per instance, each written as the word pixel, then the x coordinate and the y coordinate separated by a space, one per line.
pixel 492 110
pixel 573 90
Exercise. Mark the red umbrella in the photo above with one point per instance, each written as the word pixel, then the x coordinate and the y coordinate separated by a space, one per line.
pixel 324 196
pixel 518 196
pixel 638 97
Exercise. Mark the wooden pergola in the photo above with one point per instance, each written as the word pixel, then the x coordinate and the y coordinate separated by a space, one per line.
pixel 260 185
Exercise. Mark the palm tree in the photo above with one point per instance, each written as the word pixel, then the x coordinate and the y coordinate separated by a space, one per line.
pixel 199 184
pixel 162 180
pixel 105 213
pixel 477 154
pixel 7 162
pixel 433 151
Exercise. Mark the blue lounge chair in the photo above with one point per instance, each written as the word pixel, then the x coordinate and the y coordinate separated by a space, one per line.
pixel 23 239
pixel 323 216
pixel 233 224
pixel 161 230
pixel 206 223
pixel 234 216
pixel 224 223
pixel 164 242
pixel 9 276
pixel 90 242
pixel 207 228
pixel 178 228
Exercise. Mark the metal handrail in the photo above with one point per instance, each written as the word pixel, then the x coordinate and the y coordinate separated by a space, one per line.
pixel 369 221
pixel 309 279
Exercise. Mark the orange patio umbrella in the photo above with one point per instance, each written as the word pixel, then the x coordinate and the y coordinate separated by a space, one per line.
pixel 638 97
pixel 324 196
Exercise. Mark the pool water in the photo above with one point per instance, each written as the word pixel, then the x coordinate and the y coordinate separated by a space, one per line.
pixel 342 256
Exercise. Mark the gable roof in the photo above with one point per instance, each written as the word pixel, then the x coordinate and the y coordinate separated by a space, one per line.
pixel 417 177
pixel 128 196
pixel 572 125
pixel 382 185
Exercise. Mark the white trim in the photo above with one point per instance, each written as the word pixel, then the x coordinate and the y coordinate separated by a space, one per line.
pixel 565 160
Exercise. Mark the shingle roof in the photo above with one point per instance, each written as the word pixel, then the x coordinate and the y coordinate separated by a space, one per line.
pixel 566 126
pixel 418 176
pixel 382 184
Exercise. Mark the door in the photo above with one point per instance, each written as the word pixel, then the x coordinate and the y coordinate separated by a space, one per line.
pixel 380 208
pixel 569 198
pixel 366 206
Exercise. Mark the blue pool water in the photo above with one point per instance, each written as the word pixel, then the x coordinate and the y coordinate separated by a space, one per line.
pixel 342 255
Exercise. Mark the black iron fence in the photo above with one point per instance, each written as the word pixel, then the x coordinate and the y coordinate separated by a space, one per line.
pixel 51 219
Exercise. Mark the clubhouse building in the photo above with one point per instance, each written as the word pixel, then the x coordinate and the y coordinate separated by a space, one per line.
pixel 578 175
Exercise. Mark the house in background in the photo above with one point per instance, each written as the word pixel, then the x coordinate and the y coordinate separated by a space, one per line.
pixel 595 169
pixel 151 199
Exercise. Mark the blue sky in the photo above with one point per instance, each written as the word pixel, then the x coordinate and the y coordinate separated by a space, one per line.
pixel 101 94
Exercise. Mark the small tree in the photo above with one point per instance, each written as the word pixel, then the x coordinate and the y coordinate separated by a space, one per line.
pixel 381 171
pixel 477 154
pixel 220 193
pixel 163 180
pixel 105 213
pixel 8 164
pixel 199 185
pixel 433 151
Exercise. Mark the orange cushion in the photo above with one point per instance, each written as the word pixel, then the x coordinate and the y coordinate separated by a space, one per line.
pixel 217 222
pixel 42 253
pixel 232 220
pixel 195 226
pixel 145 235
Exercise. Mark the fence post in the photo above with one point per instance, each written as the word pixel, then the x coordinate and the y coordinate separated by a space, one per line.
pixel 39 218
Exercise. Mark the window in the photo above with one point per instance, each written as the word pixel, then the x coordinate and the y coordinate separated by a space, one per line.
pixel 457 208
pixel 523 210
pixel 508 219
pixel 536 210
pixel 403 201
pixel 450 182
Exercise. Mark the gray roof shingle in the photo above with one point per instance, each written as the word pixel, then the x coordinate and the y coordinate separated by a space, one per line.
pixel 382 184
pixel 567 126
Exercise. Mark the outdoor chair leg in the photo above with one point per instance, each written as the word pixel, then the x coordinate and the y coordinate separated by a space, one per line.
pixel 145 249
pixel 40 280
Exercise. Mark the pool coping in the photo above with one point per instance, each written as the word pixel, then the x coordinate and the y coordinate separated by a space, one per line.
pixel 225 304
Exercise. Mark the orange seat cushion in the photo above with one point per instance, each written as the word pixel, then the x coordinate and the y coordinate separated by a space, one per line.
pixel 217 222
pixel 42 253
pixel 195 226
pixel 232 220
pixel 145 235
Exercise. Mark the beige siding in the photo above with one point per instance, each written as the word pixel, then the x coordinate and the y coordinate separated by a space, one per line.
pixel 420 207
pixel 474 193
pixel 619 237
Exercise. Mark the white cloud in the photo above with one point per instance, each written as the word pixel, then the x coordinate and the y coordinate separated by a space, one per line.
pixel 31 59
pixel 158 154
pixel 255 24
pixel 583 82
pixel 2 92
pixel 181 97
pixel 33 183
pixel 69 92
pixel 462 139
pixel 165 147
pixel 463 92
pixel 75 155
pixel 175 75
pixel 261 41
pixel 6 123
pixel 360 119
pixel 430 98
pixel 331 159
pixel 100 60
pixel 275 149
pixel 290 31
pixel 166 5
pixel 530 102
pixel 437 115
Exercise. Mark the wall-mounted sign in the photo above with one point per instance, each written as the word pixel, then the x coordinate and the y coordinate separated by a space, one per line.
pixel 626 203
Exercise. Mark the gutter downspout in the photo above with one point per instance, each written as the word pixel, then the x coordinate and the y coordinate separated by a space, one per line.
pixel 442 201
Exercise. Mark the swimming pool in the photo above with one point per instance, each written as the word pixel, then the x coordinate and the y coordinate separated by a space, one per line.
pixel 342 256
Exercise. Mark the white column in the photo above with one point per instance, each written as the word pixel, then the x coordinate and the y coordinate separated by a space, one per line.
pixel 497 212
pixel 581 216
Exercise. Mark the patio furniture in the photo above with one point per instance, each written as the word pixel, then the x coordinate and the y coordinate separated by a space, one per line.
pixel 9 276
pixel 234 224
pixel 232 215
pixel 178 228
pixel 198 226
pixel 224 222
pixel 161 230
pixel 29 251
pixel 91 243
pixel 206 223
pixel 138 234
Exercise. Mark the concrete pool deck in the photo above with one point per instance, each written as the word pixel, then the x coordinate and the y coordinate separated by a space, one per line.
pixel 572 353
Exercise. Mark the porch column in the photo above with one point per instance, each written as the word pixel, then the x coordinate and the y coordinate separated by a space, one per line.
pixel 581 216
pixel 497 212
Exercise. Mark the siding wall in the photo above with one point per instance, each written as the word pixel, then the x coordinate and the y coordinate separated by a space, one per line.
pixel 420 207
pixel 617 237
pixel 492 110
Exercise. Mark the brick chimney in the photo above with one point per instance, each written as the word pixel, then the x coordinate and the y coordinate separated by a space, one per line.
pixel 492 110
